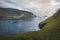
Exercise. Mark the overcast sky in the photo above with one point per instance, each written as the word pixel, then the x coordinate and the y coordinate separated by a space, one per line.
pixel 38 7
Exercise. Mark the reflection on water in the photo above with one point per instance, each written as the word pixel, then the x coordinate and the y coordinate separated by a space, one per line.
pixel 19 26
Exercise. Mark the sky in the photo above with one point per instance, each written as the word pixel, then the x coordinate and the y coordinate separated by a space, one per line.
pixel 38 7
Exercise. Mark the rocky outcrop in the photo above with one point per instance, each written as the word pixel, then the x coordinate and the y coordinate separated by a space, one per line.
pixel 41 25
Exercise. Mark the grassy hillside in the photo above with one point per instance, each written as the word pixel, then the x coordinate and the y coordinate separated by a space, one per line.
pixel 3 14
pixel 50 31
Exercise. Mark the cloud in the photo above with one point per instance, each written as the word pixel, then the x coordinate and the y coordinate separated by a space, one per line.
pixel 54 3
pixel 38 7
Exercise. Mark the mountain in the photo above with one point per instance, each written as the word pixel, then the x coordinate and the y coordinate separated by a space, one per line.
pixel 9 13
pixel 50 31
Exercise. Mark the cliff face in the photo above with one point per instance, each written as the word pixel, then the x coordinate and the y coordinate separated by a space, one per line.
pixel 15 13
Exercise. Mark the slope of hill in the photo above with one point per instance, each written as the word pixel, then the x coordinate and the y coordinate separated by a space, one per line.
pixel 10 13
pixel 50 31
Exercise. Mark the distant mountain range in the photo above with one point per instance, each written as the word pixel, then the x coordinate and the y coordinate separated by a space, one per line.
pixel 10 13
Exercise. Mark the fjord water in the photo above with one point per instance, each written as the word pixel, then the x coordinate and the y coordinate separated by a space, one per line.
pixel 8 27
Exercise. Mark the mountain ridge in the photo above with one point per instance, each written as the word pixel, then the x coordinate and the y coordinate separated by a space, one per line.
pixel 15 12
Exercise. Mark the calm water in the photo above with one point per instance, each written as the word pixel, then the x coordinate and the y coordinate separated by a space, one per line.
pixel 19 26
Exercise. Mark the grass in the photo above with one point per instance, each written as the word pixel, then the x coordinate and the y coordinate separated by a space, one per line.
pixel 51 31
pixel 4 15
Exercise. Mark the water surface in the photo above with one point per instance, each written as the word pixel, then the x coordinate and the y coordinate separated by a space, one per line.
pixel 19 26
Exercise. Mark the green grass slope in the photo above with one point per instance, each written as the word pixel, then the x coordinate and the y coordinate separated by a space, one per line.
pixel 51 31
pixel 4 15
